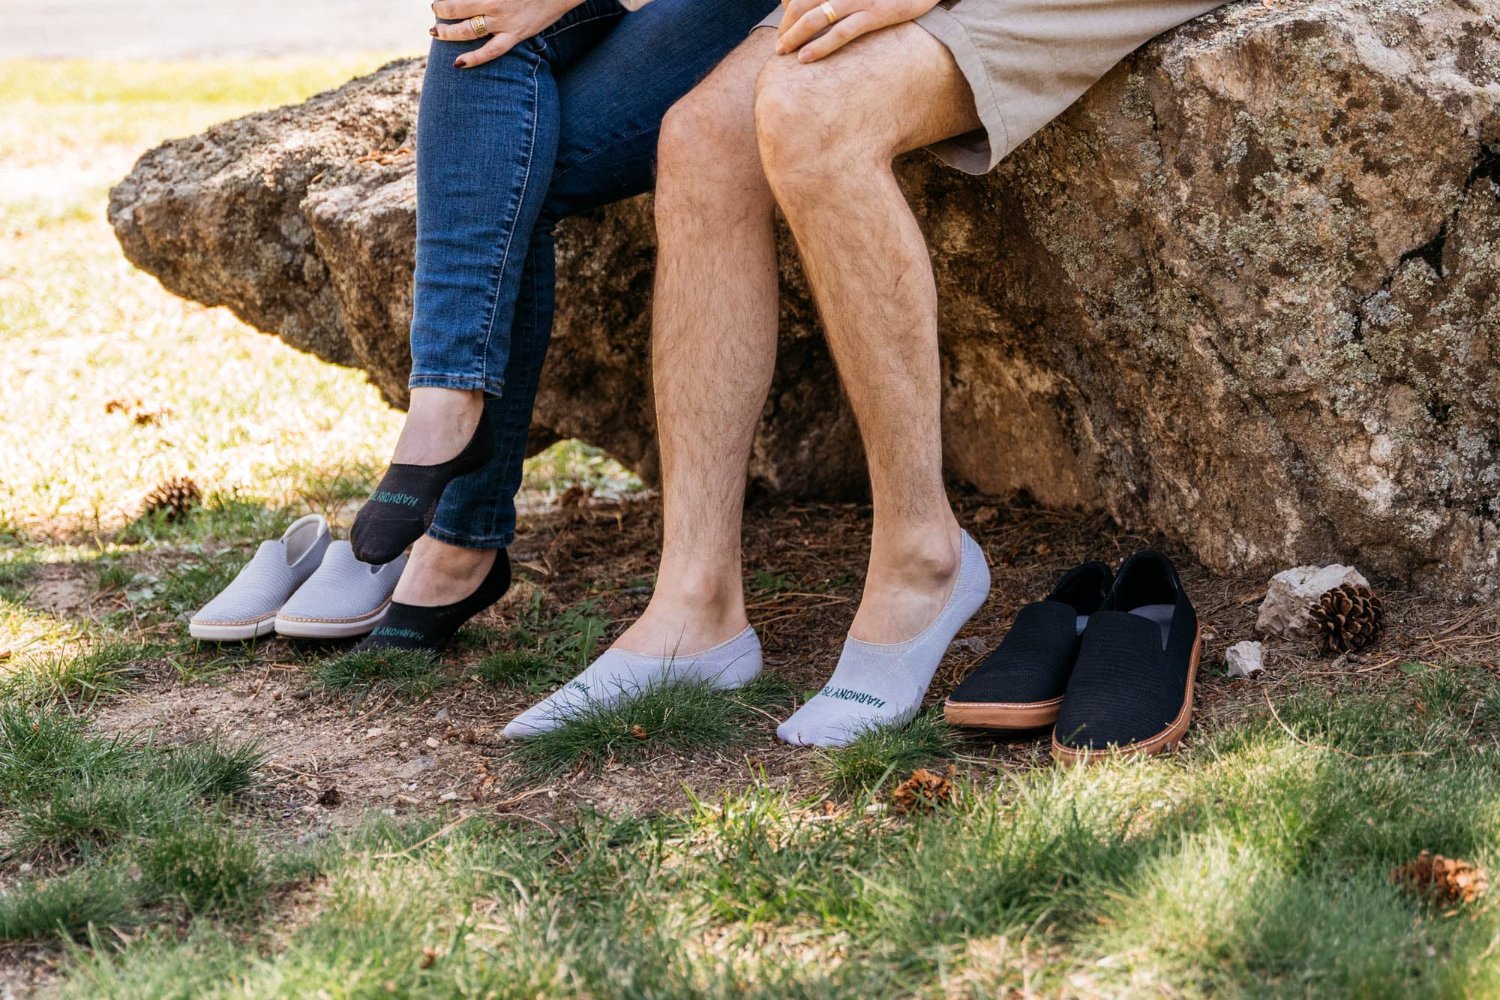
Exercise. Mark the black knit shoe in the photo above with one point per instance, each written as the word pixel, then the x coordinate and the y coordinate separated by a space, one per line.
pixel 1020 685
pixel 1132 687
pixel 408 626
pixel 402 507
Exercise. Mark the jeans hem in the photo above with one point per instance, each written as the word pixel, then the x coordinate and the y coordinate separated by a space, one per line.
pixel 487 543
pixel 486 385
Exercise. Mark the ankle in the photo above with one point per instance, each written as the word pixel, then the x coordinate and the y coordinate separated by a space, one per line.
pixel 930 556
pixel 430 556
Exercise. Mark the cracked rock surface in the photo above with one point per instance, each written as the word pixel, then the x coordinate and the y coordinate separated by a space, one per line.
pixel 1246 293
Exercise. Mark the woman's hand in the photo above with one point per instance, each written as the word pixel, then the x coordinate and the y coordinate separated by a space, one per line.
pixel 844 21
pixel 508 23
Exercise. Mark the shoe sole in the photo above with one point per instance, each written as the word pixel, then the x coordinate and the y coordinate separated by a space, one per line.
pixel 1002 714
pixel 1162 741
pixel 329 628
pixel 232 633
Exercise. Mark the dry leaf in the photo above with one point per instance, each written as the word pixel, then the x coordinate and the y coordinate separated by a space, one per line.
pixel 923 791
pixel 638 731
pixel 1442 880
pixel 429 955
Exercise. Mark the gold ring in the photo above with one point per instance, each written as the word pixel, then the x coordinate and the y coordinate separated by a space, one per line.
pixel 829 12
pixel 478 25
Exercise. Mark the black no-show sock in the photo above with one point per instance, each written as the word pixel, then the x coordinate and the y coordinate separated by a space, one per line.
pixel 407 626
pixel 401 508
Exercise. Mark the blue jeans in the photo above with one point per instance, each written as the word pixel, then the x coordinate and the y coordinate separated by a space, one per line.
pixel 565 122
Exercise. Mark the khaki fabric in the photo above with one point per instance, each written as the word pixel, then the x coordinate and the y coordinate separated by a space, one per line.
pixel 1028 60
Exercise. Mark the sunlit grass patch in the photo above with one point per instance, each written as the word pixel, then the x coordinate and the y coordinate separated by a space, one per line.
pixel 887 751
pixel 84 675
pixel 662 718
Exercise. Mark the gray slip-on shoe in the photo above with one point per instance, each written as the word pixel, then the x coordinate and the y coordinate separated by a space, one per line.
pixel 343 599
pixel 247 607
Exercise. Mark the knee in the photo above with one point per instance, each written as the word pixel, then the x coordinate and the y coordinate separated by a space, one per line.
pixel 807 139
pixel 704 133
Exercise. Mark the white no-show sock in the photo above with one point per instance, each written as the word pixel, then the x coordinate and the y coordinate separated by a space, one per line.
pixel 619 675
pixel 883 684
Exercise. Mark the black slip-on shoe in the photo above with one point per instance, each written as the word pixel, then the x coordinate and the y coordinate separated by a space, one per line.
pixel 1020 685
pixel 1132 688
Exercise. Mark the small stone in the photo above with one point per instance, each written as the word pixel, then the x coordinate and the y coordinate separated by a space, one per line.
pixel 972 644
pixel 370 734
pixel 448 796
pixel 443 715
pixel 1290 597
pixel 1245 659
pixel 433 743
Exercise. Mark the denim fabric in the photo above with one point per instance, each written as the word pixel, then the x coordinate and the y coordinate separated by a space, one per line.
pixel 565 122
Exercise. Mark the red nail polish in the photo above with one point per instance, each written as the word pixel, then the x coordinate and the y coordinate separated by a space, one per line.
pixel 458 64
pixel 432 32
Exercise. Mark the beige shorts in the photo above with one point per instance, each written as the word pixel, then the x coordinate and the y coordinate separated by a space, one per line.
pixel 1028 60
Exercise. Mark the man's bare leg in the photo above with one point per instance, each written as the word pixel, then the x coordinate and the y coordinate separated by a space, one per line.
pixel 828 133
pixel 713 350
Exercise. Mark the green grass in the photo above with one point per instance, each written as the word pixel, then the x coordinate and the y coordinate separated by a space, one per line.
pixel 878 754
pixel 412 673
pixel 568 640
pixel 662 719
pixel 1253 865
pixel 69 906
pixel 65 793
pixel 209 868
pixel 49 677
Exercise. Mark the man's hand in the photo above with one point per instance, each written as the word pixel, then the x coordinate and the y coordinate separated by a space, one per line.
pixel 850 19
pixel 508 23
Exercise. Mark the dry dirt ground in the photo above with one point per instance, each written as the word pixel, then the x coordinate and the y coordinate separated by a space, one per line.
pixel 334 759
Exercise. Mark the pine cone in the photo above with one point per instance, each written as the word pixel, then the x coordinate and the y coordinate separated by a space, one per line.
pixel 175 497
pixel 1443 880
pixel 1346 618
pixel 922 791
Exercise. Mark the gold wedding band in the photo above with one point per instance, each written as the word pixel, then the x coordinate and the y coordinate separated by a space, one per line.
pixel 479 26
pixel 829 12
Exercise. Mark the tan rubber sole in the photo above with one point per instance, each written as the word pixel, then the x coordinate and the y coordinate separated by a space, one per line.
pixel 1163 740
pixel 1002 714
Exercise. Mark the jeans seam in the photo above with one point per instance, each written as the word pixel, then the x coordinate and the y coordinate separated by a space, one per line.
pixel 574 24
pixel 557 174
pixel 499 275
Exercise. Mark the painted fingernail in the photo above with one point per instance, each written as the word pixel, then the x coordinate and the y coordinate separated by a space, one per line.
pixel 432 32
pixel 458 63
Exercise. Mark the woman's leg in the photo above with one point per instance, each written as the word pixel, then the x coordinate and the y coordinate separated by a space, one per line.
pixel 612 101
pixel 486 140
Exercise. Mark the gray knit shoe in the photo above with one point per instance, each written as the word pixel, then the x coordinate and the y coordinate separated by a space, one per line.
pixel 344 598
pixel 247 607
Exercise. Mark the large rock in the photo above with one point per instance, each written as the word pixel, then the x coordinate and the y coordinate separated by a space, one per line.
pixel 1245 293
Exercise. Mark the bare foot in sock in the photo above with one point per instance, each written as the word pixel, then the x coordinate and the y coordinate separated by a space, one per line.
pixel 883 674
pixel 694 630
pixel 690 610
pixel 439 422
pixel 447 435
pixel 439 573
